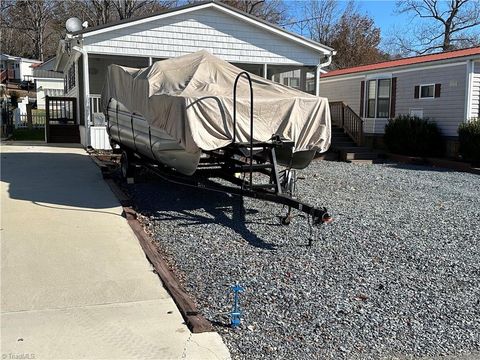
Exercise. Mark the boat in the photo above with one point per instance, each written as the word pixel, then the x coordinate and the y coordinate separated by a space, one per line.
pixel 178 110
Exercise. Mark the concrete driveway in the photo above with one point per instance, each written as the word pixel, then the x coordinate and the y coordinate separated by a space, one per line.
pixel 75 283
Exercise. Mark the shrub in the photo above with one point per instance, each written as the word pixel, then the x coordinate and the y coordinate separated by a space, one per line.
pixel 410 135
pixel 469 139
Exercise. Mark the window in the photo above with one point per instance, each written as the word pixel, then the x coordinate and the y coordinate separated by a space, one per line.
pixel 295 82
pixel 378 98
pixel 383 99
pixel 372 95
pixel 70 78
pixel 427 91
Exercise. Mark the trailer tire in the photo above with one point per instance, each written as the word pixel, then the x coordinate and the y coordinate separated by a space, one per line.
pixel 126 166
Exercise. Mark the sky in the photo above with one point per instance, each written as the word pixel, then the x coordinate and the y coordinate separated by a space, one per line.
pixel 382 12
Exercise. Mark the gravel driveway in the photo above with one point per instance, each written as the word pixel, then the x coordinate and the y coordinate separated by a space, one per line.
pixel 396 275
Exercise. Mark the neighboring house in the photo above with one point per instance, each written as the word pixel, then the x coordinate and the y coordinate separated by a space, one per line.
pixel 237 37
pixel 16 69
pixel 443 87
pixel 48 82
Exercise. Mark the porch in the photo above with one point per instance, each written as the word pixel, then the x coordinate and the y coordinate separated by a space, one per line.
pixel 296 76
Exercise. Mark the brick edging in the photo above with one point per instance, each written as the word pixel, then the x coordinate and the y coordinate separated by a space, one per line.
pixel 442 163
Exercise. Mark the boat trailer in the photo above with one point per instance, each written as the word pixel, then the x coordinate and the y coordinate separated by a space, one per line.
pixel 236 164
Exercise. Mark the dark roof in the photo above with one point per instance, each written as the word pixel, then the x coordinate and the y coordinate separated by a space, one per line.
pixel 454 54
pixel 193 5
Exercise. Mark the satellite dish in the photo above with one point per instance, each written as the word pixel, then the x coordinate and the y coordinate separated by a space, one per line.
pixel 73 24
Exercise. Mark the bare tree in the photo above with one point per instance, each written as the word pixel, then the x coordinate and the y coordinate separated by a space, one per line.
pixel 441 25
pixel 344 28
pixel 31 18
pixel 356 40
pixel 322 17
pixel 273 11
pixel 127 9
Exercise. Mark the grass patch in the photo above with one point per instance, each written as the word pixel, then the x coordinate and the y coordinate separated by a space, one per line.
pixel 39 112
pixel 28 134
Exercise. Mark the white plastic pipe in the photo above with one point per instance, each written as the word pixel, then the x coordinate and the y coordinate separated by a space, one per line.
pixel 317 73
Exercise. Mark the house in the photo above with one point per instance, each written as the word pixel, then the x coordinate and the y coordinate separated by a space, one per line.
pixel 245 41
pixel 443 87
pixel 15 68
pixel 47 82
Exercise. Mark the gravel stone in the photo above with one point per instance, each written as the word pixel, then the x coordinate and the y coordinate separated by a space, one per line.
pixel 396 275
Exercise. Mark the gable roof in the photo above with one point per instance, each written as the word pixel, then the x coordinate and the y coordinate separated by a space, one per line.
pixel 454 54
pixel 18 58
pixel 89 31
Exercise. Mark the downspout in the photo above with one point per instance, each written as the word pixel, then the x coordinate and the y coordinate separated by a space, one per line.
pixel 317 72
pixel 86 87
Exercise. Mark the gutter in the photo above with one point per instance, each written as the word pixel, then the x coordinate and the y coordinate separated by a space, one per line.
pixel 318 71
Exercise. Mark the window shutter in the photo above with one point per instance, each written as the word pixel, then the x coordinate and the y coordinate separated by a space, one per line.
pixel 417 92
pixel 362 97
pixel 438 89
pixel 393 97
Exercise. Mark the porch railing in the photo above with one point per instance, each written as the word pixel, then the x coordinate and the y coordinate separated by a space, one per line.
pixel 38 121
pixel 344 117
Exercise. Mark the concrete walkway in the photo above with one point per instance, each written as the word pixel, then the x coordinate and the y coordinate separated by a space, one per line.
pixel 75 283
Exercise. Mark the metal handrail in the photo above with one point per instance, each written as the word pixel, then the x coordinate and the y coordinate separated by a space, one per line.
pixel 251 116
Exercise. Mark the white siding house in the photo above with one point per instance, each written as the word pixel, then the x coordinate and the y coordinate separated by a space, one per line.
pixel 47 82
pixel 443 87
pixel 234 36
pixel 15 68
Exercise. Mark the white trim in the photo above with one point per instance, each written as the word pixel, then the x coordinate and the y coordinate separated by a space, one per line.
pixel 343 77
pixel 236 62
pixel 470 68
pixel 426 97
pixel 413 67
pixel 220 8
pixel 366 98
pixel 379 76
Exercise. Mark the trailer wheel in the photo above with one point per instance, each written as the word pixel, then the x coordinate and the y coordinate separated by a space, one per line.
pixel 125 165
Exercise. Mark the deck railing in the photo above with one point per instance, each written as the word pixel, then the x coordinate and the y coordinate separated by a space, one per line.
pixel 344 117
pixel 38 121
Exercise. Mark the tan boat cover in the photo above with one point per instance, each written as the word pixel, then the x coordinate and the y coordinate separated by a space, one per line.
pixel 191 98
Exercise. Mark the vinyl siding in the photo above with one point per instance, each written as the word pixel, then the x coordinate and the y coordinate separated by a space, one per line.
pixel 475 102
pixel 347 91
pixel 210 29
pixel 449 109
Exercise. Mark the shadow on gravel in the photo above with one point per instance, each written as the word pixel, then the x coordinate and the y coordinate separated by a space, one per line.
pixel 191 207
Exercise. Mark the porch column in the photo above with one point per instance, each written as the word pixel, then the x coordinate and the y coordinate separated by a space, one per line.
pixel 150 61
pixel 265 71
pixel 317 80
pixel 303 79
pixel 86 87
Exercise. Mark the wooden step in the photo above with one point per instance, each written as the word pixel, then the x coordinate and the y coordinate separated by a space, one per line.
pixel 366 162
pixel 342 144
pixel 358 156
pixel 354 149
